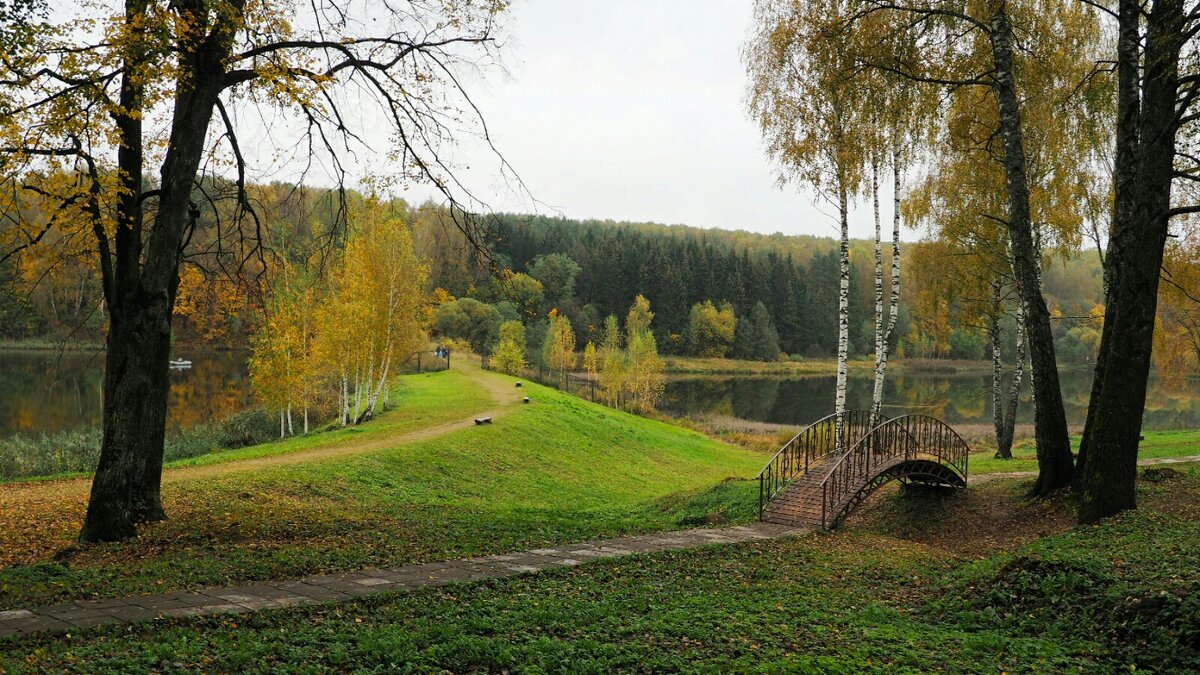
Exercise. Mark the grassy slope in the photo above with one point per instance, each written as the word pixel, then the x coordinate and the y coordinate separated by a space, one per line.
pixel 1113 597
pixel 560 469
pixel 1182 443
pixel 424 400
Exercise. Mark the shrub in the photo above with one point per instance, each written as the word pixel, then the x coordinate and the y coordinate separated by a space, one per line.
pixel 45 454
pixel 79 450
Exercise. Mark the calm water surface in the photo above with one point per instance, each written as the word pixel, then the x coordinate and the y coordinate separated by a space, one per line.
pixel 955 398
pixel 51 391
pixel 45 391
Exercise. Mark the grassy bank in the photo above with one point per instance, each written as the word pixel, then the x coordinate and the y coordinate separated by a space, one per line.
pixel 1156 444
pixel 51 345
pixel 687 365
pixel 401 489
pixel 426 400
pixel 876 597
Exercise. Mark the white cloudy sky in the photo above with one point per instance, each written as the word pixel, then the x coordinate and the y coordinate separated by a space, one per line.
pixel 634 110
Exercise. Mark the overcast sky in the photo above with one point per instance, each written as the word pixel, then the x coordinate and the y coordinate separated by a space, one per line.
pixel 635 110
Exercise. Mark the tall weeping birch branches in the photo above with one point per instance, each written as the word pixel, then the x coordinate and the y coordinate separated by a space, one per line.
pixel 802 94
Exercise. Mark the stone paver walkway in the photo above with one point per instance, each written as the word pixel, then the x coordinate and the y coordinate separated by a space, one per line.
pixel 337 587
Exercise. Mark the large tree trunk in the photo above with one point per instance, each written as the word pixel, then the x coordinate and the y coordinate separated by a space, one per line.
pixel 1037 266
pixel 126 387
pixel 1107 485
pixel 1124 174
pixel 126 487
pixel 1055 464
pixel 145 494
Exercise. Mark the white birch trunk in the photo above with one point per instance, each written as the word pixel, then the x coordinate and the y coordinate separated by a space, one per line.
pixel 345 399
pixel 378 389
pixel 881 359
pixel 291 429
pixel 894 315
pixel 368 388
pixel 282 428
pixel 843 323
pixel 357 390
pixel 305 420
pixel 877 396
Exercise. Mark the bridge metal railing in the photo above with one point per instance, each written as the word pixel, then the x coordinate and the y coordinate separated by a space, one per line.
pixel 905 438
pixel 814 443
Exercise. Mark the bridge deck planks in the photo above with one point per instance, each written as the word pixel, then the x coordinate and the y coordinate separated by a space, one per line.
pixel 799 504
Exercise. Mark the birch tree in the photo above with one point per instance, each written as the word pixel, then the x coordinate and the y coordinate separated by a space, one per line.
pixel 1177 330
pixel 899 115
pixel 802 95
pixel 284 370
pixel 614 368
pixel 274 346
pixel 591 360
pixel 644 382
pixel 558 349
pixel 964 198
pixel 382 275
pixel 969 46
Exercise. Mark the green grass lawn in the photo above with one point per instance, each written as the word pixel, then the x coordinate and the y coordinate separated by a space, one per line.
pixel 557 470
pixel 1120 596
pixel 424 400
pixel 1184 443
pixel 420 400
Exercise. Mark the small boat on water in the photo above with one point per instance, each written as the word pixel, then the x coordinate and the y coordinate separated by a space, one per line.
pixel 180 364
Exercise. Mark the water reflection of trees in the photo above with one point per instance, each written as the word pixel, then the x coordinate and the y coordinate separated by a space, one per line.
pixel 46 392
pixel 212 388
pixel 956 398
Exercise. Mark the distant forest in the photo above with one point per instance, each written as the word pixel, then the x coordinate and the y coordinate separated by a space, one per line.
pixel 675 267
pixel 795 278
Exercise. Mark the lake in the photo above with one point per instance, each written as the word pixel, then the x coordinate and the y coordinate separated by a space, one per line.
pixel 955 398
pixel 52 391
pixel 48 391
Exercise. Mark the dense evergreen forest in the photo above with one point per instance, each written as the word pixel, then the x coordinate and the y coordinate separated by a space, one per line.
pixel 795 278
pixel 45 294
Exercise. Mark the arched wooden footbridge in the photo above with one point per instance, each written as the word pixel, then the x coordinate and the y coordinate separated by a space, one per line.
pixel 816 481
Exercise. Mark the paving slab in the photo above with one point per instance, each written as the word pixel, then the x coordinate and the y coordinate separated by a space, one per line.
pixel 325 588
pixel 16 614
pixel 91 621
pixel 131 613
pixel 102 603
